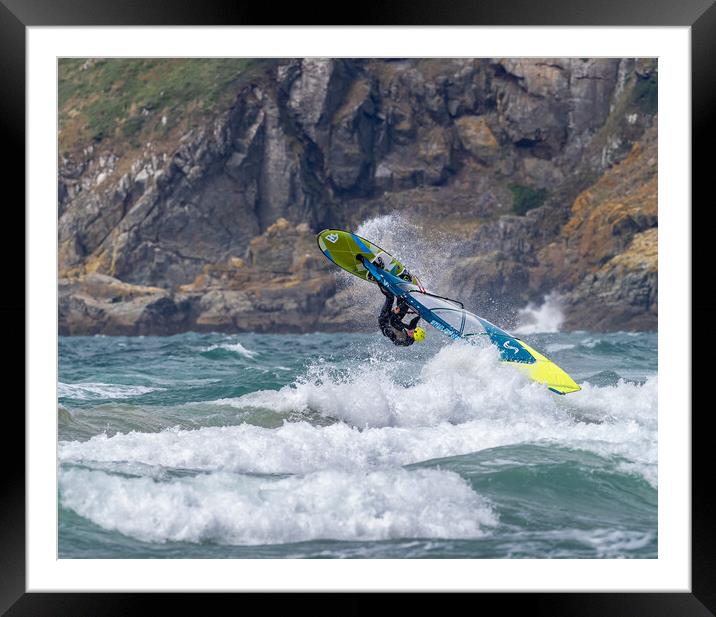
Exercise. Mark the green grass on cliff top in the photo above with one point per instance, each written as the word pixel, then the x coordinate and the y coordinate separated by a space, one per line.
pixel 125 99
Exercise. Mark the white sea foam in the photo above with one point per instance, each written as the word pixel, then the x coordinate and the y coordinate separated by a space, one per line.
pixel 447 413
pixel 462 400
pixel 461 382
pixel 235 348
pixel 239 510
pixel 628 415
pixel 547 317
pixel 625 401
pixel 89 391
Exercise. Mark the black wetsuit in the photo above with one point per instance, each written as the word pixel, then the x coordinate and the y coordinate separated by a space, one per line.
pixel 391 324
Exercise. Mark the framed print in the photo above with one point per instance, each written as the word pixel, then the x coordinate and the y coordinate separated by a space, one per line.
pixel 203 320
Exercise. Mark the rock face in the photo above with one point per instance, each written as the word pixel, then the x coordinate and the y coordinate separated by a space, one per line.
pixel 216 230
pixel 605 257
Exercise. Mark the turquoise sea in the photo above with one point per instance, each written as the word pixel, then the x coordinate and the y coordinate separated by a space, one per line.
pixel 341 445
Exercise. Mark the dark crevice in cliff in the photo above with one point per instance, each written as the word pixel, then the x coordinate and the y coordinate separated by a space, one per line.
pixel 311 160
pixel 501 72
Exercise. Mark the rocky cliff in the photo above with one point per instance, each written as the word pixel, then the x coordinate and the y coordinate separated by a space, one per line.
pixel 522 177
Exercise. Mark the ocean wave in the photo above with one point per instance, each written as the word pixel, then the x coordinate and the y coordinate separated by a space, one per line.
pixel 89 391
pixel 239 510
pixel 610 344
pixel 460 383
pixel 353 412
pixel 462 400
pixel 237 348
pixel 300 447
pixel 597 543
pixel 554 347
pixel 624 401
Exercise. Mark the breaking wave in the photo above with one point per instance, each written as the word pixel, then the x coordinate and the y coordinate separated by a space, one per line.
pixel 547 317
pixel 242 510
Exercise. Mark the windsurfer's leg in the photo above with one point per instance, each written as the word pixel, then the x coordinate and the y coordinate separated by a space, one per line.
pixel 386 293
pixel 384 317
pixel 388 304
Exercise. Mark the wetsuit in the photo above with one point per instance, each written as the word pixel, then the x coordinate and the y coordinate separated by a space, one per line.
pixel 391 324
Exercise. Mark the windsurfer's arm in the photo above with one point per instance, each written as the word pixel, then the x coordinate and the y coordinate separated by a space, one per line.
pixel 413 322
pixel 403 306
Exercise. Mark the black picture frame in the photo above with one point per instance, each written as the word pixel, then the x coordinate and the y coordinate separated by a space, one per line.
pixel 17 15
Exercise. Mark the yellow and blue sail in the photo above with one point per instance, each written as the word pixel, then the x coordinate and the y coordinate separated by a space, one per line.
pixel 347 250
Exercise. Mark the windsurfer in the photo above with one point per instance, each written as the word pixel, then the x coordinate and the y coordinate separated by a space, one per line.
pixel 391 323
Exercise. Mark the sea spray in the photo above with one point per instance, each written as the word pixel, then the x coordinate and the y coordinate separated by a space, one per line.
pixel 427 255
pixel 547 317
